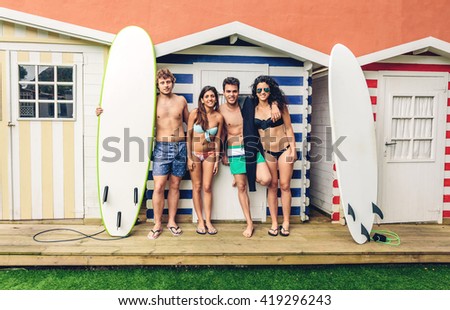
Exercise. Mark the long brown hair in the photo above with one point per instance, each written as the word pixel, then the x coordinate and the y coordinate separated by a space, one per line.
pixel 202 118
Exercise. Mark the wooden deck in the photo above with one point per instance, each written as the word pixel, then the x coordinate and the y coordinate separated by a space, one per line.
pixel 315 242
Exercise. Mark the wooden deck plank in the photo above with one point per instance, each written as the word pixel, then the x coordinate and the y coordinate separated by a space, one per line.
pixel 310 243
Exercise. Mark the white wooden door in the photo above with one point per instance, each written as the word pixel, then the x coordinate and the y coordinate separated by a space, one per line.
pixel 47 135
pixel 411 137
pixel 226 204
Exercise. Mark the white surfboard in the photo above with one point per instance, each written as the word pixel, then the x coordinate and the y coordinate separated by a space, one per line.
pixel 128 100
pixel 353 132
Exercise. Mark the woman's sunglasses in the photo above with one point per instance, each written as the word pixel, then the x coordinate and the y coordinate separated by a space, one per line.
pixel 266 90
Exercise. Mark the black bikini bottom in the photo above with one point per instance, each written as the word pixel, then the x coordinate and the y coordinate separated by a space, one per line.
pixel 279 153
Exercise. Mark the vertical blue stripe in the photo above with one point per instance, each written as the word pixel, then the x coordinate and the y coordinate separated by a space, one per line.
pixel 298 100
pixel 150 214
pixel 190 59
pixel 184 194
pixel 184 78
pixel 296 118
pixel 295 210
pixel 189 97
pixel 289 80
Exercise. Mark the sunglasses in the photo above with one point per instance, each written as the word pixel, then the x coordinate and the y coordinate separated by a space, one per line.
pixel 266 90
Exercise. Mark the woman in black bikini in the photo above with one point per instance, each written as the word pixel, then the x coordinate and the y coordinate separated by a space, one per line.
pixel 278 142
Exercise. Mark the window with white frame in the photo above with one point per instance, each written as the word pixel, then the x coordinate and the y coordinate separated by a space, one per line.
pixel 412 127
pixel 46 92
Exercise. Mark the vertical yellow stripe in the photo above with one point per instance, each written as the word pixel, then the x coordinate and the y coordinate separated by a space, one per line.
pixel 8 30
pixel 67 58
pixel 4 142
pixel 23 57
pixel 25 170
pixel 31 33
pixel 2 100
pixel 47 170
pixel 69 170
pixel 54 36
pixel 46 57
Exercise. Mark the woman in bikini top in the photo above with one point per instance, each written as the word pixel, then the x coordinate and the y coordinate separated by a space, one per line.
pixel 278 142
pixel 203 146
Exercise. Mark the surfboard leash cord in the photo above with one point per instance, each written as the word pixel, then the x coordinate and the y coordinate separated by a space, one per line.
pixel 83 236
pixel 386 237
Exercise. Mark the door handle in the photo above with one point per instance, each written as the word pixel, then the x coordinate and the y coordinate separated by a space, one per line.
pixel 390 143
pixel 11 124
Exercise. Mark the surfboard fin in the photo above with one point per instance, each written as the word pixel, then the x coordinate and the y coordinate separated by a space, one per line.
pixel 105 193
pixel 351 212
pixel 365 232
pixel 135 196
pixel 377 210
pixel 119 219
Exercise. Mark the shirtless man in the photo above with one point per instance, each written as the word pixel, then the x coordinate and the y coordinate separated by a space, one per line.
pixel 169 153
pixel 234 156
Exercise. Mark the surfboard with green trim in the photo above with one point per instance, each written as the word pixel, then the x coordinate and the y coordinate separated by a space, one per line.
pixel 125 129
pixel 353 129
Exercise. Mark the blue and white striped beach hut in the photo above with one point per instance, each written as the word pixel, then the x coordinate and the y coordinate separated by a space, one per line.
pixel 238 50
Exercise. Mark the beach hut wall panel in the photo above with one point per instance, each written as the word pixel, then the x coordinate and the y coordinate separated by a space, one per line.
pixel 210 64
pixel 50 88
pixel 421 193
pixel 321 173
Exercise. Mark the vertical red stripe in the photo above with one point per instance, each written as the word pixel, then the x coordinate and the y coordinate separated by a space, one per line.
pixel 447 150
pixel 446 213
pixel 373 99
pixel 446 198
pixel 446 182
pixel 372 83
pixel 375 117
pixel 448 87
pixel 447 134
pixel 406 67
pixel 448 118
pixel 448 102
pixel 335 184
pixel 447 166
pixel 336 200
pixel 335 216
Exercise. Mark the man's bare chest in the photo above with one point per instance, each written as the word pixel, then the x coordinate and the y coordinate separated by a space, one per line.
pixel 167 112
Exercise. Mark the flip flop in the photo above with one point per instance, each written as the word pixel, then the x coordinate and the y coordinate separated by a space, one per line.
pixel 200 231
pixel 211 231
pixel 284 232
pixel 273 232
pixel 154 234
pixel 176 231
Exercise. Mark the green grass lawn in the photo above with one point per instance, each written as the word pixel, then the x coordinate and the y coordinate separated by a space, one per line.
pixel 340 277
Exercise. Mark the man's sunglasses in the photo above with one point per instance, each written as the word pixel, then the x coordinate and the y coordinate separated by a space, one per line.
pixel 266 90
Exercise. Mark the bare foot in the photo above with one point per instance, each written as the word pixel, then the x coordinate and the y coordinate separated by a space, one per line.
pixel 248 232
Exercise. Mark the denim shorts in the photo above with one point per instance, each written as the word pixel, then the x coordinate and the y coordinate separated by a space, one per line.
pixel 169 158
